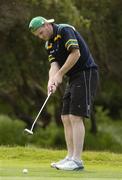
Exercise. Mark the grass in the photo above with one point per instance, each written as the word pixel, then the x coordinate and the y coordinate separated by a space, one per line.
pixel 98 165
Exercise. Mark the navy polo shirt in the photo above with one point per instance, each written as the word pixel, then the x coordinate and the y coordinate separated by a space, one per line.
pixel 64 39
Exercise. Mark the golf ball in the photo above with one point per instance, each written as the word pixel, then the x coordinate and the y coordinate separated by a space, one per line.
pixel 25 171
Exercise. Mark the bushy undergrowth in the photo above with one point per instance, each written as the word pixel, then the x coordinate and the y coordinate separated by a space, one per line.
pixel 102 141
pixel 12 133
pixel 52 136
pixel 109 133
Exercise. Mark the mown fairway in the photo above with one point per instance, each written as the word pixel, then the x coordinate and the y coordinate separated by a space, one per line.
pixel 98 165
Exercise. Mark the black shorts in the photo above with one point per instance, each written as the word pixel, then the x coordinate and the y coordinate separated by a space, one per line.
pixel 79 94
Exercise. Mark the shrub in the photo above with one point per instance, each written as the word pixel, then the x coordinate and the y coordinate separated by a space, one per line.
pixel 102 141
pixel 52 136
pixel 11 131
pixel 109 133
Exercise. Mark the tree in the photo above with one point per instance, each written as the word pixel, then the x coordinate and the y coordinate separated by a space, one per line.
pixel 24 66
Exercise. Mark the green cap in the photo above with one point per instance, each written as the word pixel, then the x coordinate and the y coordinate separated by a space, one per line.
pixel 38 22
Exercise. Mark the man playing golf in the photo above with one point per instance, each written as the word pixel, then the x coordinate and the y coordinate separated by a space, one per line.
pixel 69 55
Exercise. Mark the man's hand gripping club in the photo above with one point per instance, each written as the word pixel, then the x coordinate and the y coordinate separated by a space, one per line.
pixel 54 82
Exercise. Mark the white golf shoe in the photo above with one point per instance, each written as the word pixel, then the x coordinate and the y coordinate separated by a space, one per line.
pixel 70 165
pixel 54 164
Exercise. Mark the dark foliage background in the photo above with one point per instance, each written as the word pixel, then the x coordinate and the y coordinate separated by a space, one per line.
pixel 23 59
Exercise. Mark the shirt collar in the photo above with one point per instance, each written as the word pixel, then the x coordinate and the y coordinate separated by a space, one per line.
pixel 55 29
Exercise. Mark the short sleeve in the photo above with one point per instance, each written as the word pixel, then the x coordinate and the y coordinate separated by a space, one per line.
pixel 69 38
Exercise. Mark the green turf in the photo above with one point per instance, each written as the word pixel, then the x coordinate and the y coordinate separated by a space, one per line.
pixel 98 165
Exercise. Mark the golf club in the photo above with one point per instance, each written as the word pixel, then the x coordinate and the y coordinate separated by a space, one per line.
pixel 30 131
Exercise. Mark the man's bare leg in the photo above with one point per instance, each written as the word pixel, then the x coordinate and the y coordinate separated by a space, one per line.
pixel 68 134
pixel 78 135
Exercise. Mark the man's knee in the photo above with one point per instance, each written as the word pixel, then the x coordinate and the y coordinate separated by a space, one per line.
pixel 76 119
pixel 65 119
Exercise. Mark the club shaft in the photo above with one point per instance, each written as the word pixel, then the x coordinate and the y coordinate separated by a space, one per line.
pixel 40 112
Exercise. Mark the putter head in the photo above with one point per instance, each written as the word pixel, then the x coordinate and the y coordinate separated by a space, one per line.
pixel 28 131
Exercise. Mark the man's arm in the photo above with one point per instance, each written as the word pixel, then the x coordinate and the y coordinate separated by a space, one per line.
pixel 70 62
pixel 54 68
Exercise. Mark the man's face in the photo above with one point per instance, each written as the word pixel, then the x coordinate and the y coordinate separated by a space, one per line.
pixel 44 32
